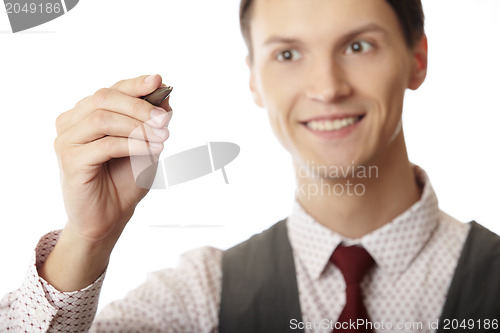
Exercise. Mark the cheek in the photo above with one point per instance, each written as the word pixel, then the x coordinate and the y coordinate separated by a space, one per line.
pixel 278 95
pixel 385 85
pixel 275 85
pixel 394 91
pixel 279 118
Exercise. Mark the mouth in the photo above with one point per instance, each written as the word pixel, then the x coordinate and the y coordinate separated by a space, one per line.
pixel 333 124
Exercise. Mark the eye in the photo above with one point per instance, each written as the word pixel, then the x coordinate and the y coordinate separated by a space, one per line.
pixel 288 55
pixel 359 46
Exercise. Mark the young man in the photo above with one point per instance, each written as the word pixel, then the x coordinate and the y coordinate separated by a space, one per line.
pixel 366 247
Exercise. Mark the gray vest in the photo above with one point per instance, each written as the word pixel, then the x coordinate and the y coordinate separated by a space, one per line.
pixel 259 284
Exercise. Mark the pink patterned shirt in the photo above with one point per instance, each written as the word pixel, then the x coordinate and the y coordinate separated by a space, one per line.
pixel 415 254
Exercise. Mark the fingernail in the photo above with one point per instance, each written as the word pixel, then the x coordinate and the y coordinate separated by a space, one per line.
pixel 156 145
pixel 150 78
pixel 158 115
pixel 159 132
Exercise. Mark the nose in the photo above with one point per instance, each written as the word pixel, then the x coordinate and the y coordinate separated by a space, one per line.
pixel 327 82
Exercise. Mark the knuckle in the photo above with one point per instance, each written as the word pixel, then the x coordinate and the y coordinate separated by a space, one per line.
pixel 139 106
pixel 60 120
pixel 80 102
pixel 57 144
pixel 101 96
pixel 135 126
pixel 100 119
pixel 136 130
pixel 109 145
pixel 61 144
pixel 119 83
pixel 66 158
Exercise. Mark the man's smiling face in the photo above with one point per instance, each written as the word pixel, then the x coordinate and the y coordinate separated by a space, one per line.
pixel 332 75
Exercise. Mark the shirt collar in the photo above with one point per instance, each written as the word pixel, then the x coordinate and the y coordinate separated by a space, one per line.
pixel 393 246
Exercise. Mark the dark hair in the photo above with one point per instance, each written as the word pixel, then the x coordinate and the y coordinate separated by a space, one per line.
pixel 409 12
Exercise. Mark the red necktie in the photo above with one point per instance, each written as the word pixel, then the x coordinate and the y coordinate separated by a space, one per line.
pixel 353 262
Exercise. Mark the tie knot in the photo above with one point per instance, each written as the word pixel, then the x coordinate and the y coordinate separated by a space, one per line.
pixel 353 262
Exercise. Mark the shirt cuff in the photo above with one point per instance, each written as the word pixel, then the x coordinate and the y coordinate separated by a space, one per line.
pixel 43 306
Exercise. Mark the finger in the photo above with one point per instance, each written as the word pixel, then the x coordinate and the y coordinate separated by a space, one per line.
pixel 109 147
pixel 103 123
pixel 139 86
pixel 118 102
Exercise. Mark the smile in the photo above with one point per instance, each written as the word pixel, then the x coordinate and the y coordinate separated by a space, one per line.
pixel 332 125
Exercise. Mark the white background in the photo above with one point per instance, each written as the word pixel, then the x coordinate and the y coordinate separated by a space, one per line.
pixel 451 124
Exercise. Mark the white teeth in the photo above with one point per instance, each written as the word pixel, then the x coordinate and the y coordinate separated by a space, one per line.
pixel 331 125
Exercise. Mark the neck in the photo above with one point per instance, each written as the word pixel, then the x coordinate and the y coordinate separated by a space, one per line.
pixel 355 206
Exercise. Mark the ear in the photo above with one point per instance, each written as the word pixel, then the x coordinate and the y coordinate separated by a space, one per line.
pixel 419 71
pixel 253 88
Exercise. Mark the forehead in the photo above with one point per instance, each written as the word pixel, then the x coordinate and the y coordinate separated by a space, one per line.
pixel 319 18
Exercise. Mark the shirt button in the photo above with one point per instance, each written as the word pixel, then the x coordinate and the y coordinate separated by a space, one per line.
pixel 40 315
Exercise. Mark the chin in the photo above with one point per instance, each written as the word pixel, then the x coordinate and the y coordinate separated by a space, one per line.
pixel 338 157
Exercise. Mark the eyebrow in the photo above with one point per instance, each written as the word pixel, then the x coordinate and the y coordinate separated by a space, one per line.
pixel 365 28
